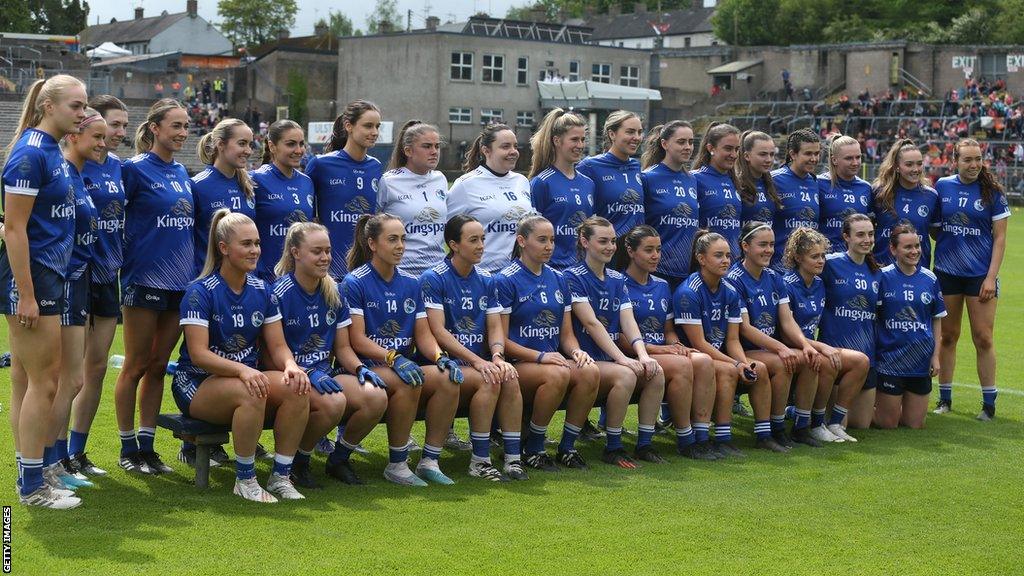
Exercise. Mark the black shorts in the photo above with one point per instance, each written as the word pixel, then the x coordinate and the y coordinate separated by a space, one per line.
pixel 897 385
pixel 871 382
pixel 104 299
pixel 157 299
pixel 76 302
pixel 48 286
pixel 962 285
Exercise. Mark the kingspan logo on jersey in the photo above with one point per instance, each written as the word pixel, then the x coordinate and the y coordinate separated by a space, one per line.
pixel 509 221
pixel 653 328
pixel 312 351
pixel 906 320
pixel 681 217
pixel 835 222
pixel 468 332
pixel 545 325
pixel 353 209
pixel 292 217
pixel 628 203
pixel 726 219
pixel 717 336
pixel 764 215
pixel 111 217
pixel 234 348
pixel 765 323
pixel 571 228
pixel 426 223
pixel 180 216
pixel 387 336
pixel 959 225
pixel 806 217
pixel 65 210
pixel 857 309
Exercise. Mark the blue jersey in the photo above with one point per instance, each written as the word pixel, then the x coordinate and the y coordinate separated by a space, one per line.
pixel 619 194
pixel 760 297
pixel 280 202
pixel 851 299
pixel 608 297
pixel 806 302
pixel 670 207
pixel 466 302
pixel 158 224
pixel 763 208
pixel 651 307
pixel 345 190
pixel 720 205
pixel 211 191
pixel 799 197
pixel 964 245
pixel 310 324
pixel 37 168
pixel 566 203
pixel 695 303
pixel 535 305
pixel 906 339
pixel 389 309
pixel 837 202
pixel 85 227
pixel 920 207
pixel 234 321
pixel 103 181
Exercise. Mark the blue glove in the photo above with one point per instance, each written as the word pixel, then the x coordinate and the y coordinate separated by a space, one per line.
pixel 323 383
pixel 367 376
pixel 454 372
pixel 408 371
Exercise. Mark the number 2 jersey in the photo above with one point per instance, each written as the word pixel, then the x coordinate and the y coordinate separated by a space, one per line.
pixel 389 308
pixel 851 300
pixel 652 306
pixel 909 304
pixel 465 300
pixel 607 296
pixel 310 324
pixel 535 304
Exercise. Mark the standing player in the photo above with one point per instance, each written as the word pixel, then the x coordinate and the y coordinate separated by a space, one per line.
pixel 492 192
pixel 840 191
pixel 39 226
pixel 798 189
pixel 971 242
pixel 158 265
pixel 415 192
pixel 670 197
pixel 616 174
pixel 717 192
pixel 754 174
pixel 909 317
pixel 900 194
pixel 346 177
pixel 558 192
pixel 284 195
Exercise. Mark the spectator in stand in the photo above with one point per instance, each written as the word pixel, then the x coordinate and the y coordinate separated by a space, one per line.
pixel 206 91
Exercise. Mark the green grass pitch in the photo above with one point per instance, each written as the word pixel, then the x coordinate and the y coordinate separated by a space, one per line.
pixel 944 500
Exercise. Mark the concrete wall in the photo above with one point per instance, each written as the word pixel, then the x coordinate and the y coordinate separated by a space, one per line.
pixel 191 36
pixel 870 69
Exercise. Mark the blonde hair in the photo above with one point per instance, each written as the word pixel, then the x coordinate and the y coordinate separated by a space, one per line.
pixel 207 150
pixel 32 110
pixel 554 125
pixel 888 174
pixel 834 143
pixel 615 121
pixel 156 114
pixel 800 242
pixel 222 227
pixel 297 233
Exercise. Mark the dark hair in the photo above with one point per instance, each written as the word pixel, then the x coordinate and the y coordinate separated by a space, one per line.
pixel 798 138
pixel 105 103
pixel 748 229
pixel 524 229
pixel 453 230
pixel 747 185
pixel 368 226
pixel 653 152
pixel 352 113
pixel 713 135
pixel 274 134
pixel 631 241
pixel 901 227
pixel 586 230
pixel 410 131
pixel 987 182
pixel 847 225
pixel 701 242
pixel 487 136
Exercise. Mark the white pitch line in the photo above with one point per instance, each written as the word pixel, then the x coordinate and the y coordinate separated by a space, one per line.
pixel 978 388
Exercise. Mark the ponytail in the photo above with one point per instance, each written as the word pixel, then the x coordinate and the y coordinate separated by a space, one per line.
pixel 293 240
pixel 900 228
pixel 32 110
pixel 615 121
pixel 368 226
pixel 797 139
pixel 524 229
pixel 156 114
pixel 747 185
pixel 222 226
pixel 712 136
pixel 586 230
pixel 475 156
pixel 274 134
pixel 555 124
pixel 208 149
pixel 631 241
pixel 351 114
pixel 407 137
pixel 833 144
pixel 702 240
pixel 654 152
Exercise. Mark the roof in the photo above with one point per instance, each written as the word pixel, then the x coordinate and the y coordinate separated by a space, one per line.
pixel 325 44
pixel 733 67
pixel 133 59
pixel 141 30
pixel 595 96
pixel 518 30
pixel 641 25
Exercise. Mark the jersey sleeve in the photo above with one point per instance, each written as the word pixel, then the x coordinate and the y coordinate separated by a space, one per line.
pixel 23 175
pixel 432 290
pixel 734 310
pixel 938 304
pixel 490 296
pixel 382 195
pixel 272 313
pixel 421 312
pixel 686 306
pixel 539 194
pixel 663 295
pixel 196 306
pixel 344 319
pixel 780 288
pixel 577 290
pixel 456 199
pixel 1000 207
pixel 584 168
pixel 352 290
pixel 563 284
pixel 625 302
pixel 504 294
pixel 129 179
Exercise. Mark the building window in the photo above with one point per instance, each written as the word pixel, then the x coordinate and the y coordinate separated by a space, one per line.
pixel 462 66
pixel 574 70
pixel 494 68
pixel 460 115
pixel 522 70
pixel 491 116
pixel 629 76
pixel 525 118
pixel 686 42
pixel 601 73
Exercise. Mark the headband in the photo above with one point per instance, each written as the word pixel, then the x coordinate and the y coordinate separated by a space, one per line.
pixel 89 120
pixel 755 231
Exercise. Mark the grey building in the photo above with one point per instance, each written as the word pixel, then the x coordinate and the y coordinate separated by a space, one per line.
pixel 683 28
pixel 186 32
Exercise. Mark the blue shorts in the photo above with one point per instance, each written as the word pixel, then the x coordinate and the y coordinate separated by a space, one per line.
pixel 48 285
pixel 104 300
pixel 897 385
pixel 962 285
pixel 871 382
pixel 184 386
pixel 157 299
pixel 76 302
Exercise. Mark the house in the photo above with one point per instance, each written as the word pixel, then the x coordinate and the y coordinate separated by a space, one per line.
pixel 186 32
pixel 684 28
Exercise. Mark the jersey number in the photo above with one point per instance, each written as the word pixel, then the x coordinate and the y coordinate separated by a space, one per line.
pixel 238 320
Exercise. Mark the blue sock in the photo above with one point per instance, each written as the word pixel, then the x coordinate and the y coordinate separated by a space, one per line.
pixel 32 475
pixel 60 450
pixel 511 441
pixel 342 451
pixel 803 419
pixel 129 444
pixel 988 395
pixel 723 432
pixel 613 439
pixel 666 415
pixel 431 452
pixel 762 429
pixel 76 442
pixel 341 432
pixel 817 418
pixel 283 465
pixel 790 412
pixel 778 423
pixel 602 418
pixel 569 435
pixel 481 442
pixel 644 435
pixel 535 439
pixel 147 436
pixel 701 431
pixel 245 467
pixel 21 469
pixel 684 437
pixel 946 392
pixel 838 413
pixel 301 458
pixel 47 456
pixel 398 455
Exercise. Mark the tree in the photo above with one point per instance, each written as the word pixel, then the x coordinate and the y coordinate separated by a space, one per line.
pixel 747 22
pixel 255 22
pixel 64 17
pixel 298 94
pixel 337 23
pixel 1010 23
pixel 16 17
pixel 384 17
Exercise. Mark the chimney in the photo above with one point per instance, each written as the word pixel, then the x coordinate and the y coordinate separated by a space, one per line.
pixel 138 13
pixel 432 23
pixel 698 4
pixel 321 28
pixel 385 27
pixel 192 8
pixel 639 8
pixel 614 10
pixel 538 13
pixel 283 34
